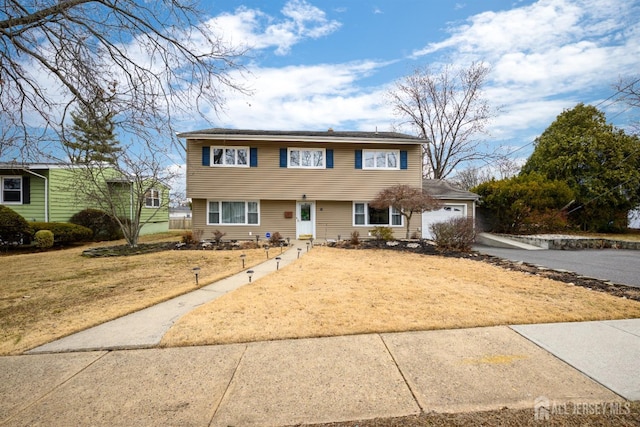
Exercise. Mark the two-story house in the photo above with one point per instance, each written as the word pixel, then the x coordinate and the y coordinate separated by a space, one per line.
pixel 302 184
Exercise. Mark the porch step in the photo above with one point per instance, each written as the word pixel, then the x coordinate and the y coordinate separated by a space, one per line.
pixel 305 237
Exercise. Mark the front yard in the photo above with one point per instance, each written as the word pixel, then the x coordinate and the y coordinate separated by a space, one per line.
pixel 328 291
pixel 338 291
pixel 48 295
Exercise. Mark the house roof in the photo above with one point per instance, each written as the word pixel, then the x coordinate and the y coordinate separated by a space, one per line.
pixel 33 166
pixel 441 189
pixel 302 136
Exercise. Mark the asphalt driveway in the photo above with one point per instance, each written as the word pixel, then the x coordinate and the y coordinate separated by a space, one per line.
pixel 617 266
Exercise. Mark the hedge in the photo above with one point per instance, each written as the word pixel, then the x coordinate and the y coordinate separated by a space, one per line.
pixel 64 233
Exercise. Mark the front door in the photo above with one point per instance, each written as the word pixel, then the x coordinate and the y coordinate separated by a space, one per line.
pixel 305 220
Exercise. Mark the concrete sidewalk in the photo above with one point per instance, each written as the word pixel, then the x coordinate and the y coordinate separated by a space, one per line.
pixel 318 380
pixel 145 328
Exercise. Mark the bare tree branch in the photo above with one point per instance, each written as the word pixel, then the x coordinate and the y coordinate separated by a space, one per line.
pixel 160 59
pixel 448 110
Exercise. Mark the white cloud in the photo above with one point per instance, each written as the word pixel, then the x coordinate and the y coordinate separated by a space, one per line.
pixel 310 97
pixel 253 28
pixel 546 56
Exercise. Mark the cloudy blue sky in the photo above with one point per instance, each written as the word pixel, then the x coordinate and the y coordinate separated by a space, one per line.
pixel 316 64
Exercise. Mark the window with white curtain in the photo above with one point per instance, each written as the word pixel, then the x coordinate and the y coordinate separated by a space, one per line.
pixel 233 212
pixel 366 215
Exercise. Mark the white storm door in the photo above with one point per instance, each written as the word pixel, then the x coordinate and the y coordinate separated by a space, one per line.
pixel 305 219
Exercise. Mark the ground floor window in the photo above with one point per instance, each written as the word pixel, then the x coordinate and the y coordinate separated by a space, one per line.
pixel 11 189
pixel 233 212
pixel 363 214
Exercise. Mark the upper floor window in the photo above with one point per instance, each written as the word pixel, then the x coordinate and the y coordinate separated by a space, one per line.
pixel 363 214
pixel 230 156
pixel 152 199
pixel 306 158
pixel 11 189
pixel 381 159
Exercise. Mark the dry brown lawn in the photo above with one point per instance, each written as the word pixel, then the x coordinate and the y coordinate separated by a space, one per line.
pixel 44 296
pixel 337 291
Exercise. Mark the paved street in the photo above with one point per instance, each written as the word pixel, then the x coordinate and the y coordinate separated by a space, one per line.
pixel 617 266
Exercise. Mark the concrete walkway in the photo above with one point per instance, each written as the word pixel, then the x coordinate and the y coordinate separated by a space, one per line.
pixel 145 328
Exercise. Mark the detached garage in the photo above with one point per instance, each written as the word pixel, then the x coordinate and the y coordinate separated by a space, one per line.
pixel 455 203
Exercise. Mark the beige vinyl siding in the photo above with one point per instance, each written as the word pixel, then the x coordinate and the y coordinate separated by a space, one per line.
pixel 333 219
pixel 269 181
pixel 272 219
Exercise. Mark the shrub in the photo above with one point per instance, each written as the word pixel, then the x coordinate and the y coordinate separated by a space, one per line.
pixel 275 238
pixel 43 239
pixel 14 229
pixel 456 234
pixel 64 233
pixel 516 204
pixel 217 236
pixel 250 244
pixel 548 221
pixel 355 238
pixel 187 237
pixel 382 233
pixel 103 226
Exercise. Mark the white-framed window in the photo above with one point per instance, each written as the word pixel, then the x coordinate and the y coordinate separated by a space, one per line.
pixel 311 158
pixel 233 212
pixel 230 156
pixel 152 199
pixel 365 215
pixel 381 159
pixel 11 190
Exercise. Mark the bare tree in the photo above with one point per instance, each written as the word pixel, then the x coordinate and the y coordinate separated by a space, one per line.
pixel 133 190
pixel 471 177
pixel 154 59
pixel 448 110
pixel 628 92
pixel 405 199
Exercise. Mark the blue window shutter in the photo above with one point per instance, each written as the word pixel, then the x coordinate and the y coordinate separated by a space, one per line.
pixel 358 159
pixel 329 159
pixel 403 159
pixel 283 157
pixel 253 157
pixel 206 156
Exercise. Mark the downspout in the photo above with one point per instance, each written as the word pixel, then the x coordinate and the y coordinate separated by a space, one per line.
pixel 46 193
pixel 474 215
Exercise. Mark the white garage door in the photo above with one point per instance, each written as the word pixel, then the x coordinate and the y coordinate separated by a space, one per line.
pixel 441 215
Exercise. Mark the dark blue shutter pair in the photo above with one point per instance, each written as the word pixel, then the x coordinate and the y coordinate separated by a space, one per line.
pixel 253 156
pixel 403 159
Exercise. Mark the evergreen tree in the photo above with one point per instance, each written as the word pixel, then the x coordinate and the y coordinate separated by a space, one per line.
pixel 93 136
pixel 599 162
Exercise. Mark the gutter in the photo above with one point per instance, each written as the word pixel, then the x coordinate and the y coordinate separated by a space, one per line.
pixel 300 139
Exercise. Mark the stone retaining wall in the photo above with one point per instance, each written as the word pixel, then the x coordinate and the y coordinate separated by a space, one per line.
pixel 575 242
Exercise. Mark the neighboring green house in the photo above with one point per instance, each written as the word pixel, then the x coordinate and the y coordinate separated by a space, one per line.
pixel 47 193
